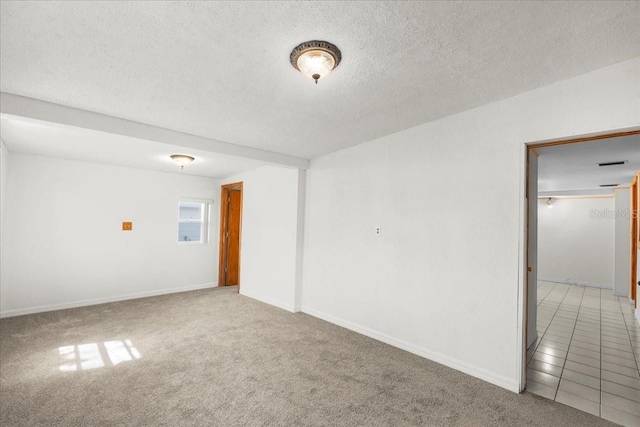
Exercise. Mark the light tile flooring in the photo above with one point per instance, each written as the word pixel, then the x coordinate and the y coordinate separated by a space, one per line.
pixel 588 352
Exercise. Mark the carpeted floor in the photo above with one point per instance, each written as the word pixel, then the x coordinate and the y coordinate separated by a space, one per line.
pixel 216 358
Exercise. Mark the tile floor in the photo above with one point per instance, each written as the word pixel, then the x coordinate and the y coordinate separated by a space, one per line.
pixel 588 352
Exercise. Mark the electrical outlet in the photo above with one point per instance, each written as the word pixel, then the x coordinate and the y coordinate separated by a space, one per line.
pixel 127 226
pixel 378 230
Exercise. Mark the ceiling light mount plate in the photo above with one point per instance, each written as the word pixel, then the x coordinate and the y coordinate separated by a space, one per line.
pixel 315 58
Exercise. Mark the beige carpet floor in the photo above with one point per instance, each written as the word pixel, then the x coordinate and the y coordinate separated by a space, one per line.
pixel 216 358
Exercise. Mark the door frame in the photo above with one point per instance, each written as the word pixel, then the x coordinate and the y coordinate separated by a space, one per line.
pixel 528 148
pixel 635 235
pixel 222 252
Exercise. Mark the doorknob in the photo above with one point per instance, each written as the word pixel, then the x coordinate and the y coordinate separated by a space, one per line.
pixel 529 269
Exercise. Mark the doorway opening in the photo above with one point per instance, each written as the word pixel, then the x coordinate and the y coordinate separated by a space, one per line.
pixel 580 342
pixel 230 232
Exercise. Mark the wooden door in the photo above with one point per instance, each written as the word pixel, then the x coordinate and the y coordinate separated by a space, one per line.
pixel 233 237
pixel 230 231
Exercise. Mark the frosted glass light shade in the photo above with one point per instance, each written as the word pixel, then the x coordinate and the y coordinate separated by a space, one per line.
pixel 315 58
pixel 316 64
pixel 182 159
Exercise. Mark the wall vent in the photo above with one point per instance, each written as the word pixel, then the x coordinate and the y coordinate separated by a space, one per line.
pixel 609 185
pixel 621 162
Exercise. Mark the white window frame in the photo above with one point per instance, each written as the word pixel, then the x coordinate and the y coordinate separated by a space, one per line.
pixel 203 221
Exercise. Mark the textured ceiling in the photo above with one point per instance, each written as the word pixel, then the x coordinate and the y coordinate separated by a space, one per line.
pixel 221 69
pixel 573 169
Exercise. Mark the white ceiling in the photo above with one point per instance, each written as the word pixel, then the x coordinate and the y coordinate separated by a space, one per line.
pixel 28 136
pixel 221 69
pixel 573 169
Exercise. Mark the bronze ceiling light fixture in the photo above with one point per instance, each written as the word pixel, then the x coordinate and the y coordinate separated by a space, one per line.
pixel 315 58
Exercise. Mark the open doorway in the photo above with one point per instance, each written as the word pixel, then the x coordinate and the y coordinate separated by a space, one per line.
pixel 581 336
pixel 230 232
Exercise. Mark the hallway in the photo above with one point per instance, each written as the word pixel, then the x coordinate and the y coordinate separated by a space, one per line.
pixel 588 352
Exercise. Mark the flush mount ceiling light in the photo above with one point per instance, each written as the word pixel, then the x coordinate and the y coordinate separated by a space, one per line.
pixel 182 159
pixel 315 58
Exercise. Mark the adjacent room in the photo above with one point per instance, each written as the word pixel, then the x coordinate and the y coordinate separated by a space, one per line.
pixel 584 345
pixel 318 213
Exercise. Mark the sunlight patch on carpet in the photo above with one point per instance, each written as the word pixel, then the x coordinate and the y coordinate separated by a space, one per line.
pixel 96 355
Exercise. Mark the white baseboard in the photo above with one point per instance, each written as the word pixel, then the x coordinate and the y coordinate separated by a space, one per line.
pixel 510 384
pixel 84 303
pixel 267 300
pixel 575 282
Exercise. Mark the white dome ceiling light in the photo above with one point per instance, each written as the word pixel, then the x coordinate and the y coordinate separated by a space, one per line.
pixel 182 159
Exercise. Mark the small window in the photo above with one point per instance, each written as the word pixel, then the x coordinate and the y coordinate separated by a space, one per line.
pixel 193 218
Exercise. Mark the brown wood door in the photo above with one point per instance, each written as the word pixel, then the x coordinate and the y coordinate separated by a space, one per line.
pixel 230 230
pixel 233 237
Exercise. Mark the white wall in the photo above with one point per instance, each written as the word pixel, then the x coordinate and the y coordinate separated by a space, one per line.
pixel 4 175
pixel 63 244
pixel 445 278
pixel 576 241
pixel 272 231
pixel 622 274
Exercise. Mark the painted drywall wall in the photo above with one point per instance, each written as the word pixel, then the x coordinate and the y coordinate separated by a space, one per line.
pixel 445 277
pixel 576 241
pixel 272 232
pixel 64 245
pixel 4 175
pixel 5 155
pixel 622 260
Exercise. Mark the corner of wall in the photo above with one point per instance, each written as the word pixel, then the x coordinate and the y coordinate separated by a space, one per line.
pixel 272 223
pixel 267 300
pixel 302 183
